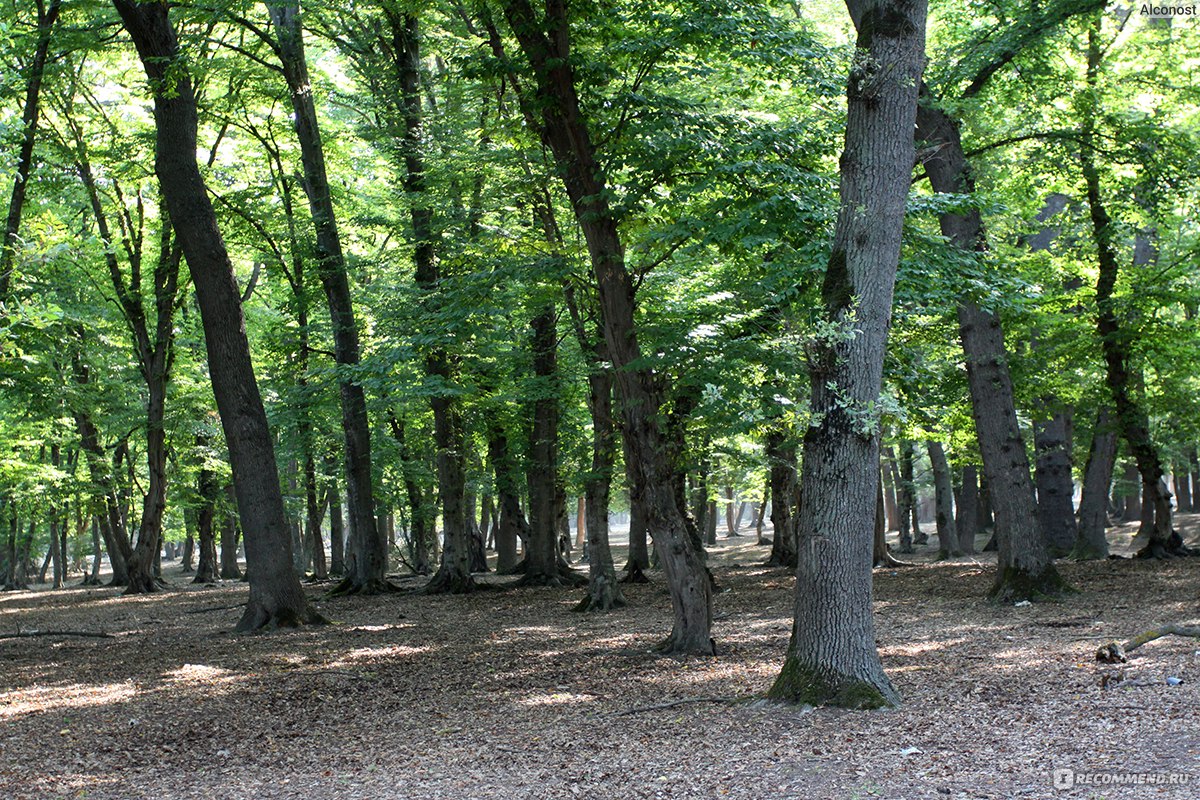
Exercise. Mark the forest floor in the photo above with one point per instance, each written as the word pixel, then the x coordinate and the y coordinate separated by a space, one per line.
pixel 508 694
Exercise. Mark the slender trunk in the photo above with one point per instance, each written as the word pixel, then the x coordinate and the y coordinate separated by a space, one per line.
pixel 421 512
pixel 604 592
pixel 832 657
pixel 556 113
pixel 208 491
pixel 781 457
pixel 230 569
pixel 762 513
pixel 47 16
pixel 891 475
pixel 947 531
pixel 908 498
pixel 1162 540
pixel 142 574
pixel 56 552
pixel 1025 570
pixel 337 535
pixel 541 551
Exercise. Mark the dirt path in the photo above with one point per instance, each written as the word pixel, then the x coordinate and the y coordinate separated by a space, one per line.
pixel 508 694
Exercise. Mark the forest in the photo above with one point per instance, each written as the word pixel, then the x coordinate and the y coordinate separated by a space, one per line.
pixel 407 328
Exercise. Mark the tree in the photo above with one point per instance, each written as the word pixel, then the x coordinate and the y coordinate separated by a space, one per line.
pixel 832 658
pixel 276 598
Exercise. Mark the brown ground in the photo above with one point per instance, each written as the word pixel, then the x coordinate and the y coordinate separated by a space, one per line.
pixel 510 695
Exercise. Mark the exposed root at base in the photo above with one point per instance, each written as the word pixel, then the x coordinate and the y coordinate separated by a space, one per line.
pixel 374 586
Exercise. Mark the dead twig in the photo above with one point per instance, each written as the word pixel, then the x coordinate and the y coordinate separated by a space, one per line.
pixel 209 609
pixel 20 634
pixel 1113 652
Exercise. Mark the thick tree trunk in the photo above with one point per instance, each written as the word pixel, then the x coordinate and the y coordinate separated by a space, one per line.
pixel 47 16
pixel 563 129
pixel 1055 489
pixel 832 657
pixel 275 594
pixel 1025 570
pixel 943 488
pixel 1091 541
pixel 967 509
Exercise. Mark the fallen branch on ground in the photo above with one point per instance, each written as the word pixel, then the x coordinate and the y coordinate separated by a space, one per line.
pixel 20 634
pixel 1113 652
pixel 207 609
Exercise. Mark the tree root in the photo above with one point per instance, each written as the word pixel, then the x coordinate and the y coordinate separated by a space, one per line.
pixel 1116 653
pixel 351 586
pixel 259 618
pixel 635 574
pixel 563 577
pixel 1172 548
pixel 443 582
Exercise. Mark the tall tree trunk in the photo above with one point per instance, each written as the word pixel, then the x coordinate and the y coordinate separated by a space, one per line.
pixel 367 557
pixel 337 536
pixel 639 528
pixel 557 115
pixel 604 592
pixel 947 531
pixel 208 491
pixel 832 657
pixel 276 597
pixel 1025 570
pixel 421 512
pixel 541 551
pixel 1132 420
pixel 1052 475
pixel 56 553
pixel 47 16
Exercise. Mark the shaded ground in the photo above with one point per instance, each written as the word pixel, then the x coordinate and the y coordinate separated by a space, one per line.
pixel 510 695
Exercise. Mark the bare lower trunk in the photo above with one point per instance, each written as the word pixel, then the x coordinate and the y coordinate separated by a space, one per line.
pixel 967 509
pixel 947 531
pixel 1091 541
pixel 832 657
pixel 604 592
pixel 1055 490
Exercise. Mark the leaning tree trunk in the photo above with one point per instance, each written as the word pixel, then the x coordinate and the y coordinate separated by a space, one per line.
pixel 943 488
pixel 1025 570
pixel 558 116
pixel 1162 541
pixel 1090 539
pixel 276 597
pixel 47 16
pixel 367 557
pixel 832 657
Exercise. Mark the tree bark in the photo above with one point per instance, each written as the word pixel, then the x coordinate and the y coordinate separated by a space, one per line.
pixel 541 550
pixel 1025 570
pixel 908 499
pixel 276 597
pixel 1055 489
pixel 781 458
pixel 967 509
pixel 1091 541
pixel 832 657
pixel 366 560
pixel 47 16
pixel 890 475
pixel 558 116
pixel 207 491
pixel 947 531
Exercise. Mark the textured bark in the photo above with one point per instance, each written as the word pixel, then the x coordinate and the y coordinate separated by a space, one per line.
pixel 276 597
pixel 1181 481
pixel 1055 489
pixel 966 517
pixel 556 113
pixel 230 569
pixel 1025 569
pixel 1090 541
pixel 947 530
pixel 907 499
pixel 781 459
pixel 366 560
pixel 604 592
pixel 47 16
pixel 512 525
pixel 207 491
pixel 832 657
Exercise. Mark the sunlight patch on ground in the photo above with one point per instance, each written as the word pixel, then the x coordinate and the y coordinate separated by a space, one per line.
pixel 917 648
pixel 378 653
pixel 37 699
pixel 199 673
pixel 556 699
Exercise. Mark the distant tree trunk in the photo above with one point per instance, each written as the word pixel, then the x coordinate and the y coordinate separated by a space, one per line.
pixel 891 477
pixel 230 569
pixel 1183 488
pixel 1131 497
pixel 276 597
pixel 639 529
pixel 47 16
pixel 1194 466
pixel 967 511
pixel 985 504
pixel 1025 570
pixel 207 490
pixel 781 458
pixel 56 553
pixel 511 526
pixel 314 512
pixel 421 512
pixel 337 535
pixel 116 542
pixel 947 532
pixel 907 499
pixel 93 578
pixel 604 592
pixel 832 657
pixel 1055 490
pixel 1091 541
pixel 762 513
pixel 187 556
